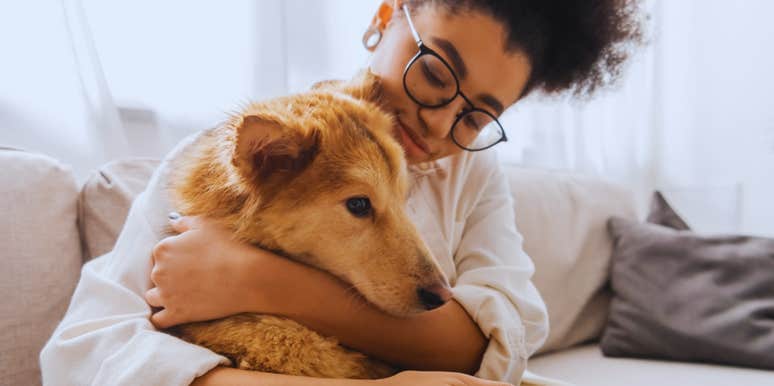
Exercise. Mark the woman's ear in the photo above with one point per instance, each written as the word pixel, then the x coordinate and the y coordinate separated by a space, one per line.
pixel 378 24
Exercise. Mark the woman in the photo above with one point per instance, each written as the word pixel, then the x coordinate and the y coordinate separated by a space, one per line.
pixel 449 69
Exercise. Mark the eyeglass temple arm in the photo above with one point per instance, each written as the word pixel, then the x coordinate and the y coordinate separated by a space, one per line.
pixel 411 25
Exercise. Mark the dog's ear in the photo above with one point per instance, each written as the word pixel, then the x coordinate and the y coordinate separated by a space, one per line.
pixel 265 147
pixel 365 85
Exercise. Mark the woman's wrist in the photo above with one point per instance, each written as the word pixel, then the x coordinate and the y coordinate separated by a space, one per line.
pixel 226 376
pixel 291 289
pixel 316 297
pixel 445 339
pixel 249 276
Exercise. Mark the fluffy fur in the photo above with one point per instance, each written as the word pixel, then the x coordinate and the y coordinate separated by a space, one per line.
pixel 280 174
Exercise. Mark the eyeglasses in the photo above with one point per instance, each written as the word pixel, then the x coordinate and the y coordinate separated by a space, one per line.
pixel 430 82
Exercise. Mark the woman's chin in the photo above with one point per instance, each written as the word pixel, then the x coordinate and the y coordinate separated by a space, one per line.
pixel 414 154
pixel 412 160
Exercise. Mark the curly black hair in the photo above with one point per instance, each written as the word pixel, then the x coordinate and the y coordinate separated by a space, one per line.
pixel 573 45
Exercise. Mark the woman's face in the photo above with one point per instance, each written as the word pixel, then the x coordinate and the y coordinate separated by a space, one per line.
pixel 474 45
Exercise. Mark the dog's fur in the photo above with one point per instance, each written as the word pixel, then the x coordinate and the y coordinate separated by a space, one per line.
pixel 279 174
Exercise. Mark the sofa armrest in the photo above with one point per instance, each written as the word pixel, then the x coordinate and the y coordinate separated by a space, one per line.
pixel 40 259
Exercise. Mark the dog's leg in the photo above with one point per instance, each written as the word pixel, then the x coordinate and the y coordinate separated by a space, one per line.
pixel 272 344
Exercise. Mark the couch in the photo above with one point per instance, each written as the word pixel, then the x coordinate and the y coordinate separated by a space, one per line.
pixel 51 224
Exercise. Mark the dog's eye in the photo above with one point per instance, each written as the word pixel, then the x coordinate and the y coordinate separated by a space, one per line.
pixel 359 206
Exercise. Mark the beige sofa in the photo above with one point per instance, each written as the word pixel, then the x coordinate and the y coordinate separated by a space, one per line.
pixel 50 225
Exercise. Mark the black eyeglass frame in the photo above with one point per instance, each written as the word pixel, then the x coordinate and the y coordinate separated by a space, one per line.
pixel 425 50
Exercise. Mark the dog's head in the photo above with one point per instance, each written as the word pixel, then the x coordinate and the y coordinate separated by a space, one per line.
pixel 327 184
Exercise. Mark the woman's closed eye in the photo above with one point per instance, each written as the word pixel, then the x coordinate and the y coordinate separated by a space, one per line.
pixel 432 75
pixel 471 122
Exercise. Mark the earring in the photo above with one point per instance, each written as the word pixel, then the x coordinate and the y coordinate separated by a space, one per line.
pixel 372 37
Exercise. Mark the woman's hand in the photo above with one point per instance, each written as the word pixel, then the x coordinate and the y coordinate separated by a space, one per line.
pixel 229 376
pixel 203 273
pixel 436 378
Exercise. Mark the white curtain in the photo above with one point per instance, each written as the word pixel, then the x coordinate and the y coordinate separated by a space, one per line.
pixel 692 116
pixel 104 127
pixel 43 102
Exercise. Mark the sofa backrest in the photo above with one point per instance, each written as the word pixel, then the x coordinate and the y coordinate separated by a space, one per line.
pixel 563 218
pixel 40 258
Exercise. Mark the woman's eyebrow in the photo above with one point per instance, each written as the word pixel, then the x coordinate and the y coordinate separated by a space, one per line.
pixel 492 102
pixel 454 55
pixel 462 71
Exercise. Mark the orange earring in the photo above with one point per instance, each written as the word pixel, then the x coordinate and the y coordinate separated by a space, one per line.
pixel 373 35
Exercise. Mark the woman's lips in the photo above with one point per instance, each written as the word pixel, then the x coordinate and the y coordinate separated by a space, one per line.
pixel 411 145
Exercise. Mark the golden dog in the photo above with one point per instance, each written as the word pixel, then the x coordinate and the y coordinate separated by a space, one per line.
pixel 318 178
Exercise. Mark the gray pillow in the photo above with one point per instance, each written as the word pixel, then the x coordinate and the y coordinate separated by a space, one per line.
pixel 688 297
pixel 661 213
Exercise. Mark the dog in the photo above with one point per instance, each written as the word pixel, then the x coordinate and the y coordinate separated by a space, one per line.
pixel 316 177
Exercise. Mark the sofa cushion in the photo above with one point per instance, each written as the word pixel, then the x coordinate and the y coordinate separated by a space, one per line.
pixel 562 217
pixel 105 200
pixel 40 257
pixel 586 366
pixel 684 296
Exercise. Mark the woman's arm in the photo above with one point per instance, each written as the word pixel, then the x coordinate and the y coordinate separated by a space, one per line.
pixel 202 274
pixel 444 339
pixel 225 376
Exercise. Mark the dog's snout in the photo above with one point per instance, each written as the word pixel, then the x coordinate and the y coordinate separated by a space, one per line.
pixel 434 296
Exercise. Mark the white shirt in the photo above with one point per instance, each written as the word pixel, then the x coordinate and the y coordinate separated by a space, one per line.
pixel 461 205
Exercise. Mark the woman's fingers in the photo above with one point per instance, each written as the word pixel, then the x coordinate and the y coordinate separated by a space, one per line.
pixel 436 378
pixel 182 224
pixel 484 382
pixel 469 380
pixel 199 273
pixel 163 319
pixel 153 297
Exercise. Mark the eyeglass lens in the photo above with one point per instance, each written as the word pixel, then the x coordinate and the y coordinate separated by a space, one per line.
pixel 431 83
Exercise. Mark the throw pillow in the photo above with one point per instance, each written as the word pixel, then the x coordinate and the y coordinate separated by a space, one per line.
pixel 105 199
pixel 683 296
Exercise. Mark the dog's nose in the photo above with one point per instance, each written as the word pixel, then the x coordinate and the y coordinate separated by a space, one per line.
pixel 434 296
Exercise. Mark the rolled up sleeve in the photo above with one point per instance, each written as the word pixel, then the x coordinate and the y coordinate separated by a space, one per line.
pixel 106 337
pixel 494 282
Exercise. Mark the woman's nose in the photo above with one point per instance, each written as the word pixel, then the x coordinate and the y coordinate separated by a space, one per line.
pixel 439 121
